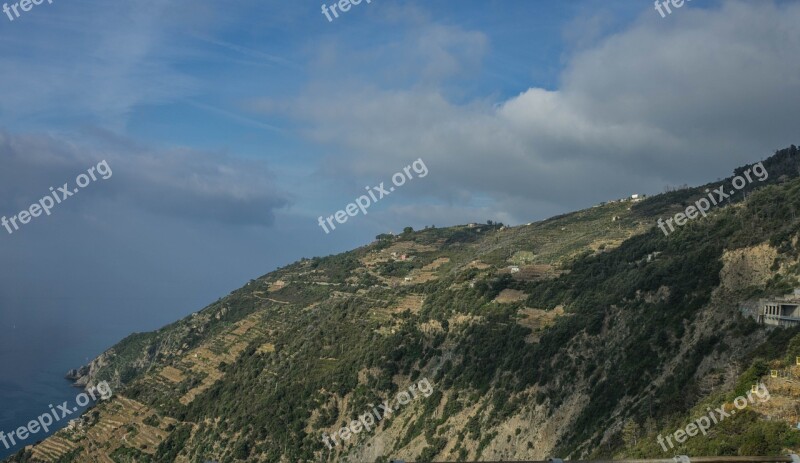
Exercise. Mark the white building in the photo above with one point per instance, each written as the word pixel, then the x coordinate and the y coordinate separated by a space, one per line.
pixel 780 312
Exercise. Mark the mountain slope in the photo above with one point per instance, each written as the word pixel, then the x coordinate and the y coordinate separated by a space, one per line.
pixel 581 335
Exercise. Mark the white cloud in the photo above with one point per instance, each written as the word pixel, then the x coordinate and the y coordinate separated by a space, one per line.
pixel 671 101
pixel 95 61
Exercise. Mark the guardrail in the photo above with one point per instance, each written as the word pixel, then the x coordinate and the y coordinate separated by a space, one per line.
pixel 679 459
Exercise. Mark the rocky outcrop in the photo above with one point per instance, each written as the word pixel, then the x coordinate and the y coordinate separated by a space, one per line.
pixel 77 373
pixel 86 375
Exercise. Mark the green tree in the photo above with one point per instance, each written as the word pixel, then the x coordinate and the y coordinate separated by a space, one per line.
pixel 630 433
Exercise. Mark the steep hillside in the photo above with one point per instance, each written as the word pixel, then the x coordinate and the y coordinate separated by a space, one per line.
pixel 587 334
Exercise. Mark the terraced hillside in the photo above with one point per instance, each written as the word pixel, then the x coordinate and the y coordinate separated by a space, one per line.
pixel 582 335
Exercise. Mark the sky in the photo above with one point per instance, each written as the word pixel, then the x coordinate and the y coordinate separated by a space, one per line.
pixel 230 127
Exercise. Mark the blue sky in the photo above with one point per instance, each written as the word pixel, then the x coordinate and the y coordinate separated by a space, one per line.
pixel 231 126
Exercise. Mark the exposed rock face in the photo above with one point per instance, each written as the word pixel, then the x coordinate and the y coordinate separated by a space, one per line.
pixel 86 376
pixel 748 266
pixel 77 373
